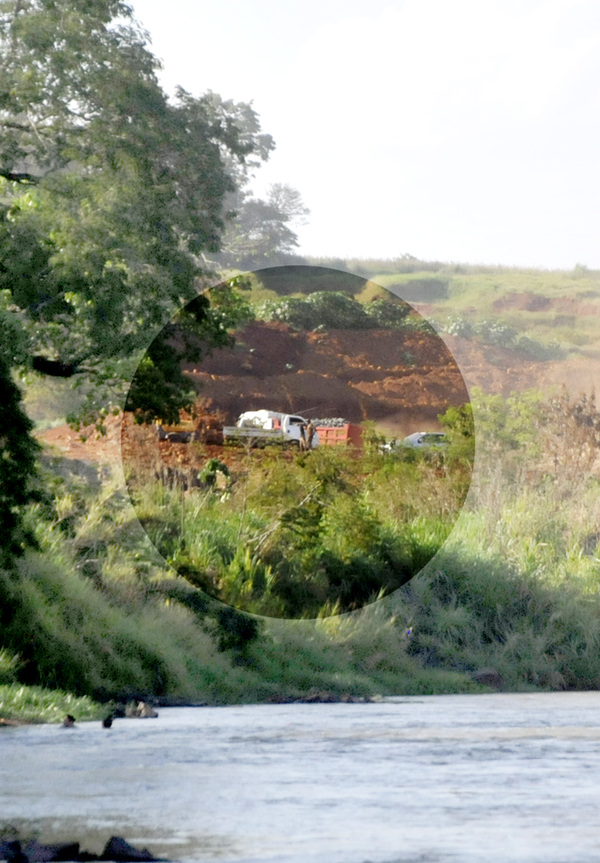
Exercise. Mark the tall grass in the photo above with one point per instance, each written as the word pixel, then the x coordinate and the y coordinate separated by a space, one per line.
pixel 516 585
pixel 99 611
pixel 292 534
pixel 34 704
pixel 9 667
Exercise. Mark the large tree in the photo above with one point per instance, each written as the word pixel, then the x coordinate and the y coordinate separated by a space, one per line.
pixel 110 194
pixel 261 230
pixel 112 191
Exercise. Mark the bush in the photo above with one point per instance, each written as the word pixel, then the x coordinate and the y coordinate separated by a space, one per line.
pixel 457 326
pixel 495 333
pixel 333 310
pixel 386 315
pixel 9 667
pixel 236 631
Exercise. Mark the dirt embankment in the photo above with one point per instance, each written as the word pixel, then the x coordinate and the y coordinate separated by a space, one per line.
pixel 580 305
pixel 401 381
pixel 502 371
pixel 381 375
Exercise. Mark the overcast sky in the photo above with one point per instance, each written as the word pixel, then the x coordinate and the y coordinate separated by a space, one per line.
pixel 452 130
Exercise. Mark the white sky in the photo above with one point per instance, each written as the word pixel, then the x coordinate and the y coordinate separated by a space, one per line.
pixel 452 130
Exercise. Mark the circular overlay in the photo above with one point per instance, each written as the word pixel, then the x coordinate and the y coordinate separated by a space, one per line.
pixel 324 451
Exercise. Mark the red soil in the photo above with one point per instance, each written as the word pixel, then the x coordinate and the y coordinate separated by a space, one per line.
pixel 380 375
pixel 401 381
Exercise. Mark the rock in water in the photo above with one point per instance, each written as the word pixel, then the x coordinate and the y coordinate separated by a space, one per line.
pixel 11 851
pixel 119 850
pixel 35 852
pixel 489 677
pixel 32 851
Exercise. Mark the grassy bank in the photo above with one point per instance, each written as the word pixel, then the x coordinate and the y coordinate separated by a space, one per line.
pixel 96 612
pixel 35 704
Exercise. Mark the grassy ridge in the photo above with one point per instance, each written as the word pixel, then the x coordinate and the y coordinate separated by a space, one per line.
pixel 476 293
pixel 98 612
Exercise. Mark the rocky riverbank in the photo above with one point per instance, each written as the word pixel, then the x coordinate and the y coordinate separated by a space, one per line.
pixel 32 851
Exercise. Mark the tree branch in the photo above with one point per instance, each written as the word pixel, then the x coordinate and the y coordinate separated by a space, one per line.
pixel 23 177
pixel 55 368
pixel 20 127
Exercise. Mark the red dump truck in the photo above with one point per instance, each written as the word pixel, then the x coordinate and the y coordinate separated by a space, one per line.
pixel 346 434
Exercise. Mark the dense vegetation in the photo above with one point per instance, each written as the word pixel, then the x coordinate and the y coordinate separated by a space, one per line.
pixel 111 193
pixel 97 611
pixel 515 586
pixel 333 310
pixel 303 535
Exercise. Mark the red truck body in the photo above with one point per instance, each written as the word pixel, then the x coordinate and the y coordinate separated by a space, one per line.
pixel 349 434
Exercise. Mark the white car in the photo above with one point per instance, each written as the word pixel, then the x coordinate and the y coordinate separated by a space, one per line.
pixel 425 439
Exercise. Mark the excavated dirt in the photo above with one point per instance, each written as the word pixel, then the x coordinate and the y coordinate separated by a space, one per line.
pixel 69 443
pixel 528 301
pixel 498 370
pixel 401 381
pixel 380 375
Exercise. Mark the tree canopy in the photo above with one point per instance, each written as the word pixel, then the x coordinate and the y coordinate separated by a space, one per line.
pixel 112 192
pixel 110 195
pixel 260 231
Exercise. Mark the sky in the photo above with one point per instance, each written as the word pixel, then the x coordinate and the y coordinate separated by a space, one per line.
pixel 452 130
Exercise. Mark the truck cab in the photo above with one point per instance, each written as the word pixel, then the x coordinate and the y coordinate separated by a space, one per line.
pixel 287 425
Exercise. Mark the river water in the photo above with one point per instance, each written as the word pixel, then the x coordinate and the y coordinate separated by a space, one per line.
pixel 435 778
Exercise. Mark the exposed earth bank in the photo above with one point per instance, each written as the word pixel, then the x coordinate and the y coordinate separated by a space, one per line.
pixel 387 376
pixel 402 381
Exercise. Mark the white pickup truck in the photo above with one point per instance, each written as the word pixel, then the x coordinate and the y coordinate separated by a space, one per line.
pixel 260 427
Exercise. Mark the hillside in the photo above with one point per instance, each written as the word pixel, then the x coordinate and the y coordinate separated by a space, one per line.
pixel 401 380
pixel 508 329
pixel 526 541
pixel 362 375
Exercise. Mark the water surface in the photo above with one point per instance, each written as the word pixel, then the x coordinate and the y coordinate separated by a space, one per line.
pixel 435 778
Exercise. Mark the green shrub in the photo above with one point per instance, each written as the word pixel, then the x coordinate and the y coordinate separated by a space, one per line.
pixel 333 310
pixel 387 315
pixel 9 667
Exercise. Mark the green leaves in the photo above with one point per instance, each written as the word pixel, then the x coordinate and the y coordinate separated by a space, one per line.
pixel 333 310
pixel 112 191
pixel 18 451
pixel 63 73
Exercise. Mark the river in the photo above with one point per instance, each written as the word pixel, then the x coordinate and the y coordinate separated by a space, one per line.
pixel 456 778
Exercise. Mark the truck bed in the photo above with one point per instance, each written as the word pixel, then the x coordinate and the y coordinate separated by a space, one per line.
pixel 249 433
pixel 348 434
